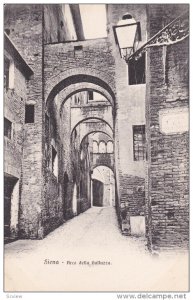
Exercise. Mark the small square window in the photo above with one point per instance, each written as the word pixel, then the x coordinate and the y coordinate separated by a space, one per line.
pixel 78 48
pixel 7 128
pixel 78 51
pixel 29 113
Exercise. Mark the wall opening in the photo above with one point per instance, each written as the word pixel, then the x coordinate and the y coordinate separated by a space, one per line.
pixel 65 193
pixel 29 113
pixel 136 69
pixel 11 207
pixel 78 51
pixel 8 73
pixel 54 162
pixel 7 128
pixel 139 142
pixel 103 187
pixel 110 147
pixel 102 147
pixel 74 200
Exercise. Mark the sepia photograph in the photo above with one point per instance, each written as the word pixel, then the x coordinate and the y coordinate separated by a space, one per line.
pixel 96 147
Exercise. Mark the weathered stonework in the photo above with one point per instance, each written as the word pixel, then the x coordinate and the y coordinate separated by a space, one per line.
pixel 13 148
pixel 52 158
pixel 168 172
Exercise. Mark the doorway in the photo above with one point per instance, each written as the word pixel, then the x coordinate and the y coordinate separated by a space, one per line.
pixel 11 207
pixel 98 192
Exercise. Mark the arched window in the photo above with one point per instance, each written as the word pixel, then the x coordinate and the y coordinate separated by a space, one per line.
pixel 102 147
pixel 95 147
pixel 109 147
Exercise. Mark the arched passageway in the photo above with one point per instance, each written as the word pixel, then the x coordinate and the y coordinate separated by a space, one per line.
pixel 77 108
pixel 103 187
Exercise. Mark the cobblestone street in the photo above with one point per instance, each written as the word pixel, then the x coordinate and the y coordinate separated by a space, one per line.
pixel 88 253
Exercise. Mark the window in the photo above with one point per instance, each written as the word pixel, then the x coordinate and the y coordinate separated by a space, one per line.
pixel 29 113
pixel 109 147
pixel 8 73
pixel 47 128
pixel 95 147
pixel 75 100
pixel 90 95
pixel 78 51
pixel 139 149
pixel 102 147
pixel 7 128
pixel 54 162
pixel 136 70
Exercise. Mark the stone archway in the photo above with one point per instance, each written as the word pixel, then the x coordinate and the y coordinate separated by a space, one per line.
pixel 103 186
pixel 85 86
pixel 76 199
pixel 92 118
pixel 103 83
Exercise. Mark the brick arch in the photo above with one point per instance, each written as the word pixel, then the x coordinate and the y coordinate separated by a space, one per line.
pixel 104 165
pixel 84 86
pixel 91 118
pixel 78 75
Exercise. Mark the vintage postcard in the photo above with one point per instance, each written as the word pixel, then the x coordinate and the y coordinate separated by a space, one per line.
pixel 96 147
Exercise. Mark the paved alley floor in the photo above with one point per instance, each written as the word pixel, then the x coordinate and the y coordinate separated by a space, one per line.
pixel 88 253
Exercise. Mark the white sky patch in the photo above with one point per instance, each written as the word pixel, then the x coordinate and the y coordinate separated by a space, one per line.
pixel 94 20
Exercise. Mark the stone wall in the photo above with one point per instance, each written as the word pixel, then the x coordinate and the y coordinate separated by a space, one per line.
pixel 24 23
pixel 102 159
pixel 55 29
pixel 168 146
pixel 81 170
pixel 14 111
pixel 52 213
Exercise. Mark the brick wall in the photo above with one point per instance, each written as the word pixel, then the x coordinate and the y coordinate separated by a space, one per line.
pixel 168 172
pixel 95 59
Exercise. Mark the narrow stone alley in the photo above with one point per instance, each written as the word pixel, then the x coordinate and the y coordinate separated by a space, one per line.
pixel 89 253
pixel 96 162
